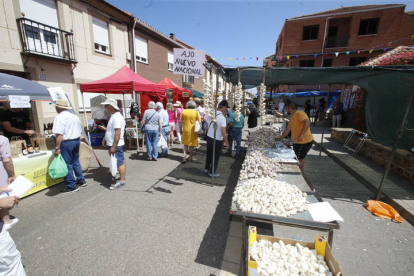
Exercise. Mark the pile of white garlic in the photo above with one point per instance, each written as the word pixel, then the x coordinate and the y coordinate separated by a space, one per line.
pixel 268 119
pixel 209 98
pixel 283 259
pixel 269 196
pixel 262 137
pixel 257 165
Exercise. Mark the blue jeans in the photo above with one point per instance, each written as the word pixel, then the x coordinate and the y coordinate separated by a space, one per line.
pixel 209 157
pixel 152 143
pixel 235 133
pixel 70 153
pixel 165 131
pixel 119 155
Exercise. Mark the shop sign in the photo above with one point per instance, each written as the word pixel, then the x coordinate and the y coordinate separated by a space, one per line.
pixel 19 101
pixel 185 94
pixel 170 95
pixel 189 62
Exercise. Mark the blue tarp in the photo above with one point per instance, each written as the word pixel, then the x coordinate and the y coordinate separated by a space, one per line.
pixel 304 94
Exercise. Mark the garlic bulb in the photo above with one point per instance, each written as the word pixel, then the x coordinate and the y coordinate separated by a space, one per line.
pixel 262 107
pixel 279 258
pixel 257 165
pixel 269 196
pixel 238 96
pixel 209 98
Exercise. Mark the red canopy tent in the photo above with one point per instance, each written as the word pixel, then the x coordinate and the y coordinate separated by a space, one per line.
pixel 126 81
pixel 177 90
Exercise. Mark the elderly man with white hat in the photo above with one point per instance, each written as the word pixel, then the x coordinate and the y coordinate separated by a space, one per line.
pixel 114 137
pixel 165 126
pixel 67 128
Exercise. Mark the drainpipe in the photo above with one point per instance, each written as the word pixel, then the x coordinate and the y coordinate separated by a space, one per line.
pixel 133 46
pixel 324 36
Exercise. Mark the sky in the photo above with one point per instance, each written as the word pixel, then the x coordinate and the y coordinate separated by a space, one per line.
pixel 231 28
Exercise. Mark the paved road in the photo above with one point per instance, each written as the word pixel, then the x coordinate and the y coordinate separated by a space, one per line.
pixel 167 220
pixel 365 244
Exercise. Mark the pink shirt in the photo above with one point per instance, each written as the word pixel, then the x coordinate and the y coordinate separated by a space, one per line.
pixel 171 115
pixel 179 111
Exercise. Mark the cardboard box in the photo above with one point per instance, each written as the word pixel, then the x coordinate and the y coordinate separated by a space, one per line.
pixel 252 265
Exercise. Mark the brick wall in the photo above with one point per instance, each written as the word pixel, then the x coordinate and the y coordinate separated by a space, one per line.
pixel 403 163
pixel 388 30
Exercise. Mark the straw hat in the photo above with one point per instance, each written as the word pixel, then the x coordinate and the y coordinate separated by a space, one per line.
pixel 61 103
pixel 111 102
pixel 177 103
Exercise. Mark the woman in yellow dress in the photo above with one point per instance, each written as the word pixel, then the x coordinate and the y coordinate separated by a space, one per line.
pixel 189 139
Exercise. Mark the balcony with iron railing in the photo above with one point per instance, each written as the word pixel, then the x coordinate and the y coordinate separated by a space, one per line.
pixel 337 41
pixel 46 41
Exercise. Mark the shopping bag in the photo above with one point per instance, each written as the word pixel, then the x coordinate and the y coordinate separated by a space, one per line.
pixel 58 168
pixel 113 166
pixel 383 210
pixel 16 145
pixel 197 128
pixel 162 143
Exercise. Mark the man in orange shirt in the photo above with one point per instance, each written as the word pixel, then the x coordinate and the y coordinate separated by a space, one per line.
pixel 302 137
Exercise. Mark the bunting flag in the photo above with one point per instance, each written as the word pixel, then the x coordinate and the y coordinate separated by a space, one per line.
pixel 384 47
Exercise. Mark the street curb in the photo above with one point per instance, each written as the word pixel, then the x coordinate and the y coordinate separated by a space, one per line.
pixel 409 217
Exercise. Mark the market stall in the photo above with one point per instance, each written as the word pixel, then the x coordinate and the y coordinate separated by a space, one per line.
pixel 178 93
pixel 270 190
pixel 125 81
pixel 33 166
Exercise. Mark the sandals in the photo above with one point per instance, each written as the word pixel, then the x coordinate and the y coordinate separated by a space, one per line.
pixel 184 161
pixel 192 159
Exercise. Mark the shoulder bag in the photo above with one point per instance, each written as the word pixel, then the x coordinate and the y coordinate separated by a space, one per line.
pixel 197 128
pixel 143 126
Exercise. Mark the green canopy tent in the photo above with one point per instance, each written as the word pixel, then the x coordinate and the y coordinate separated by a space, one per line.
pixel 389 104
pixel 388 91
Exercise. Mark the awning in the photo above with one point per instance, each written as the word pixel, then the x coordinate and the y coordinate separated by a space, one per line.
pixel 122 81
pixel 15 86
pixel 197 94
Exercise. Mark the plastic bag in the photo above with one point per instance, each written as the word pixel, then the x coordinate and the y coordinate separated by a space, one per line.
pixel 197 128
pixel 58 168
pixel 383 210
pixel 113 165
pixel 162 143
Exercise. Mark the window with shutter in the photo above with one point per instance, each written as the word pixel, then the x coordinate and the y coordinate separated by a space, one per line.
pixel 141 49
pixel 101 35
pixel 170 61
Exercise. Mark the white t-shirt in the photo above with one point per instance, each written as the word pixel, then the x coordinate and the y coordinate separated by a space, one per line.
pixel 116 121
pixel 221 122
pixel 202 111
pixel 164 117
pixel 68 124
pixel 281 106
